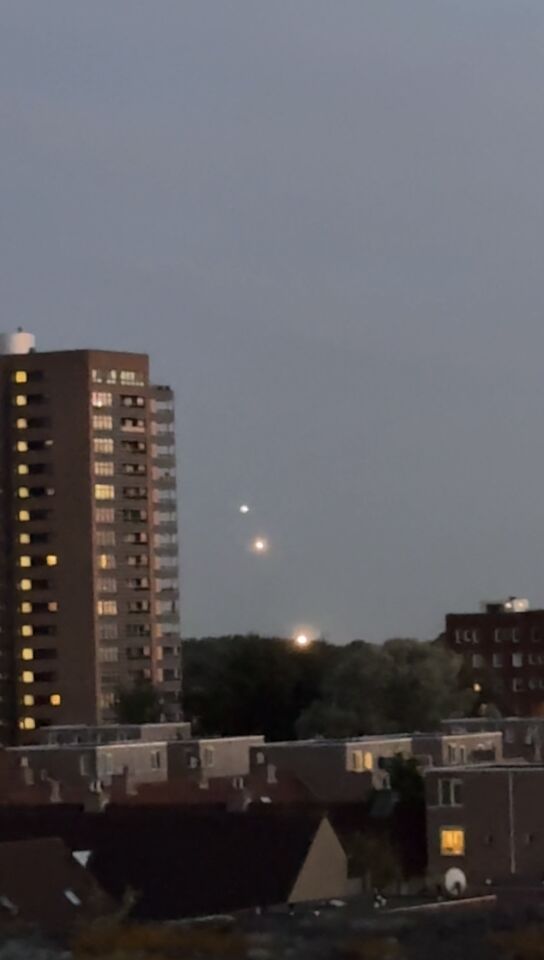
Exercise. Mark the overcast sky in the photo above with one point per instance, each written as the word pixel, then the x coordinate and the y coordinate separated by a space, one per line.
pixel 324 220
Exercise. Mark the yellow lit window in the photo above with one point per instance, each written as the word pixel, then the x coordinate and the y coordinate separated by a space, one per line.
pixel 24 538
pixel 27 630
pixel 51 560
pixel 452 842
pixel 22 446
pixel 20 376
pixel 25 561
pixel 55 699
pixel 28 700
pixel 27 653
pixel 52 606
pixel 23 493
pixel 368 761
pixel 28 676
pixel 106 561
pixel 20 400
pixel 22 468
pixel 21 423
pixel 104 491
pixel 27 723
pixel 23 516
pixel 25 585
pixel 105 608
pixel 26 607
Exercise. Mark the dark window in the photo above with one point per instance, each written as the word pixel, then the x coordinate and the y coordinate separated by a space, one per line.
pixel 45 677
pixel 134 516
pixel 133 446
pixel 45 653
pixel 37 423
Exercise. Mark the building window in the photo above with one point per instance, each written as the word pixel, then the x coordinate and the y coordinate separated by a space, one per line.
pixel 155 760
pixel 104 515
pixel 102 422
pixel 517 659
pixel 129 400
pixel 139 537
pixel 507 635
pixel 103 445
pixel 107 631
pixel 139 606
pixel 106 561
pixel 452 841
pixel 51 560
pixel 55 699
pixel 101 399
pixel 19 376
pixel 517 685
pixel 27 653
pixel 104 491
pixel 106 608
pixel 104 376
pixel 27 676
pixel 509 735
pixel 477 660
pixel 209 756
pixel 27 723
pixel 132 377
pixel 109 654
pixel 106 585
pixel 497 660
pixel 132 425
pixel 21 423
pixel 105 538
pixel 104 468
pixel 449 793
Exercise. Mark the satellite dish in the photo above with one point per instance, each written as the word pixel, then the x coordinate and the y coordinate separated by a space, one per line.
pixel 455 882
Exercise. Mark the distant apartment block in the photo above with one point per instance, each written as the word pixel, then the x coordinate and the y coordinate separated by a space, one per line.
pixel 89 553
pixel 503 645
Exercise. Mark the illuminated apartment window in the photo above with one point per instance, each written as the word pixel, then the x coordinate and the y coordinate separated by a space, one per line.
pixel 25 607
pixel 131 377
pixel 101 399
pixel 104 515
pixel 27 653
pixel 101 422
pixel 27 723
pixel 103 468
pixel 105 538
pixel 104 491
pixel 23 516
pixel 452 841
pixel 103 445
pixel 25 585
pixel 20 400
pixel 28 700
pixel 24 538
pixel 368 761
pixel 53 606
pixel 27 676
pixel 22 446
pixel 106 608
pixel 25 561
pixel 55 699
pixel 21 423
pixel 19 376
pixel 22 469
pixel 23 493
pixel 51 560
pixel 106 561
pixel 27 630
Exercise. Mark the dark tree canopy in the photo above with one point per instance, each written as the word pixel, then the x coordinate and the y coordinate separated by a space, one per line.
pixel 139 704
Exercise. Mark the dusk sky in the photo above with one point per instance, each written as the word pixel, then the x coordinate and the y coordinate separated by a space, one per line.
pixel 324 221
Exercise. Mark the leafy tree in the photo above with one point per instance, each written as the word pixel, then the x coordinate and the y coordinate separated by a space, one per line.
pixel 372 857
pixel 138 704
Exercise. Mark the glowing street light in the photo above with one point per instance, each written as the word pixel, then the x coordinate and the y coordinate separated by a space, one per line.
pixel 244 508
pixel 477 687
pixel 260 545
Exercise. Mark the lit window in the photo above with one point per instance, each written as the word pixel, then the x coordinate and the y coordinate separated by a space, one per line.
pixel 104 468
pixel 53 606
pixel 21 423
pixel 25 561
pixel 26 630
pixel 26 607
pixel 106 561
pixel 25 585
pixel 368 761
pixel 22 493
pixel 27 723
pixel 22 446
pixel 357 759
pixel 100 399
pixel 20 400
pixel 24 538
pixel 452 841
pixel 27 653
pixel 28 676
pixel 23 516
pixel 106 608
pixel 55 699
pixel 101 422
pixel 28 700
pixel 22 469
pixel 20 376
pixel 104 491
pixel 104 515
pixel 51 560
pixel 103 445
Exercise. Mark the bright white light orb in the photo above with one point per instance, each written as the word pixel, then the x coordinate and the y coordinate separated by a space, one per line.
pixel 244 508
pixel 302 640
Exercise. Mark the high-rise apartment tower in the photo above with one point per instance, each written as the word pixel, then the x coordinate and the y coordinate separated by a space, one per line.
pixel 89 556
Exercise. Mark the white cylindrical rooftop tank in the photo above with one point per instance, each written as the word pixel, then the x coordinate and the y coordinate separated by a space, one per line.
pixel 19 342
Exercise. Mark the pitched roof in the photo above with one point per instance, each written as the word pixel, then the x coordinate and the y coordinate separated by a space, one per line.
pixel 41 884
pixel 188 864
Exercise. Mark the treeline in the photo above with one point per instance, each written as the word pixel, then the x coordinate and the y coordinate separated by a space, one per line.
pixel 251 684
